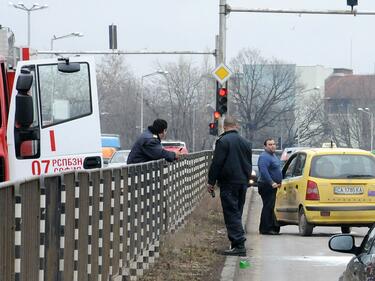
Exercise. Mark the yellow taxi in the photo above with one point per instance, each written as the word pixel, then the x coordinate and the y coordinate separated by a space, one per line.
pixel 327 187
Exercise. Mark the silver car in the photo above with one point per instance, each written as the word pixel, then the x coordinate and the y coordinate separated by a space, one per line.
pixel 119 158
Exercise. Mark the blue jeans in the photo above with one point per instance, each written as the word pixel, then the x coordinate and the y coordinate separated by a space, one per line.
pixel 233 198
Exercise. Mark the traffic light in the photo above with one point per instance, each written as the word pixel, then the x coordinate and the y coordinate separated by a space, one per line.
pixel 221 100
pixel 113 37
pixel 217 115
pixel 352 3
pixel 213 128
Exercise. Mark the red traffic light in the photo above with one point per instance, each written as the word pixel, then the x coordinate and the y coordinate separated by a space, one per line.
pixel 223 92
pixel 213 128
pixel 217 115
pixel 221 99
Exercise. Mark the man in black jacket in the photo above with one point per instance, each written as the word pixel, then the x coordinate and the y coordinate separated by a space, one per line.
pixel 231 169
pixel 148 146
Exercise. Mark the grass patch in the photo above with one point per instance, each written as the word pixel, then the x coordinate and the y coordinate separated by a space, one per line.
pixel 191 254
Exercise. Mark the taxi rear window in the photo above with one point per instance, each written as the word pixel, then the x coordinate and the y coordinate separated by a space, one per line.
pixel 343 166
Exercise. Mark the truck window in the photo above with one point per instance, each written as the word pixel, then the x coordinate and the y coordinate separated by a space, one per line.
pixel 63 96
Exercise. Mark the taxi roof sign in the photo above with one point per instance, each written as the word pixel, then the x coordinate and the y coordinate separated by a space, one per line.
pixel 222 73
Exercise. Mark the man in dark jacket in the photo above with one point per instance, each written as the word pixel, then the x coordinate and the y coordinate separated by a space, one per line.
pixel 148 146
pixel 269 181
pixel 231 169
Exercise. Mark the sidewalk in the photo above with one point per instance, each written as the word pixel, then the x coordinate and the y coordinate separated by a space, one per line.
pixel 231 266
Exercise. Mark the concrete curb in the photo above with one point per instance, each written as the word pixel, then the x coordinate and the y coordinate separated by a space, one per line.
pixel 230 269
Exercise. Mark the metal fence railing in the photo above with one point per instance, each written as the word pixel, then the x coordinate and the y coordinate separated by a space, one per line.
pixel 95 225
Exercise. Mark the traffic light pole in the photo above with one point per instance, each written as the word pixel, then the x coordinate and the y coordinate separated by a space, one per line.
pixel 221 45
pixel 225 9
pixel 311 12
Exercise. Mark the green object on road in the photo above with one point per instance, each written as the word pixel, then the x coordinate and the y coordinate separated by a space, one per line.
pixel 244 264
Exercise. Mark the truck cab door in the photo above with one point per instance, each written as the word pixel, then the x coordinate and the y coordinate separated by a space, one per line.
pixel 54 118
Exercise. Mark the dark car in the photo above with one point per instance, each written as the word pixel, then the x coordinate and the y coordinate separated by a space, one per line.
pixel 362 266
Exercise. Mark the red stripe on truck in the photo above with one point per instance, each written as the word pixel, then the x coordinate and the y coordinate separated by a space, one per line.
pixel 52 140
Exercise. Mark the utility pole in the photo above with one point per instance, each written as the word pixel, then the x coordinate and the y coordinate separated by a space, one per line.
pixel 221 46
pixel 221 42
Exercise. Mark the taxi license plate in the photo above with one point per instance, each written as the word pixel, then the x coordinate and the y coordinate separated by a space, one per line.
pixel 349 190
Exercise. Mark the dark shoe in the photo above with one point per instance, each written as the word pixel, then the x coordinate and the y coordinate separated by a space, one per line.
pixel 271 232
pixel 235 252
pixel 238 244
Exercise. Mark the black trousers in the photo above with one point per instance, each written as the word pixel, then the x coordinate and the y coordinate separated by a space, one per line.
pixel 267 218
pixel 233 198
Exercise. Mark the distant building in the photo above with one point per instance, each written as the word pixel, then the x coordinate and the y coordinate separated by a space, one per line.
pixel 313 78
pixel 345 91
pixel 344 94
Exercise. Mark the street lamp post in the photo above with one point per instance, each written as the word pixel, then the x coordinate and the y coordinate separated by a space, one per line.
pixel 34 7
pixel 161 72
pixel 367 111
pixel 73 34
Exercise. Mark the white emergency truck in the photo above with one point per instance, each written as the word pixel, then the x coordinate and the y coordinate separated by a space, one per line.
pixel 53 123
pixel 49 114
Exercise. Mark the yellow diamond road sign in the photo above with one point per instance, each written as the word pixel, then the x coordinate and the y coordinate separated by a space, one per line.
pixel 222 73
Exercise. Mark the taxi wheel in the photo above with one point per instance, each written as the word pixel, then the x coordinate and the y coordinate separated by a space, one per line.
pixel 345 229
pixel 304 227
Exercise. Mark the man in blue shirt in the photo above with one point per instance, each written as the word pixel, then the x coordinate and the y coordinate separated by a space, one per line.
pixel 269 181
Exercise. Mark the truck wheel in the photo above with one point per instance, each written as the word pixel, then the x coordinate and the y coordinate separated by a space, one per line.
pixel 304 227
pixel 346 229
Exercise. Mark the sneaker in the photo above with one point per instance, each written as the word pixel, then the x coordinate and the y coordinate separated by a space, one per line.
pixel 235 252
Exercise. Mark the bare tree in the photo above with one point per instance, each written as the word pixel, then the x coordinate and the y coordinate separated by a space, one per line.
pixel 345 127
pixel 308 126
pixel 181 97
pixel 263 91
pixel 118 92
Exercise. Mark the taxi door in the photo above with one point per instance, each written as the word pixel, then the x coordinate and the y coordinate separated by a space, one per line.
pixel 295 190
pixel 283 204
pixel 54 118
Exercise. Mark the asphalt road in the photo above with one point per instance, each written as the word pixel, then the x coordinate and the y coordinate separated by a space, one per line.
pixel 289 256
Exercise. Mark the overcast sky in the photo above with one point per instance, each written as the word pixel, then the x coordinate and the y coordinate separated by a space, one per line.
pixel 192 25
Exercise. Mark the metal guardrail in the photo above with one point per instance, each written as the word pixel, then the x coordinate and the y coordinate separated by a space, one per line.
pixel 95 225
